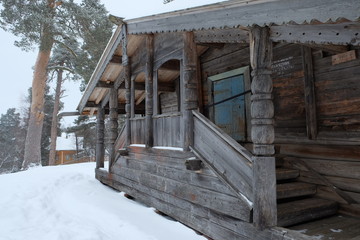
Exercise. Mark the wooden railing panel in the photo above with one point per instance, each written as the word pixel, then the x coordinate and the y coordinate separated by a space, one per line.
pixel 121 139
pixel 138 131
pixel 226 157
pixel 167 131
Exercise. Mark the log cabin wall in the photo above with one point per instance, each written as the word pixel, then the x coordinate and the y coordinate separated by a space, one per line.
pixel 331 159
pixel 334 151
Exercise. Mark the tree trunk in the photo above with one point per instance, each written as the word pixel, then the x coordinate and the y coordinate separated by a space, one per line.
pixel 55 120
pixel 32 154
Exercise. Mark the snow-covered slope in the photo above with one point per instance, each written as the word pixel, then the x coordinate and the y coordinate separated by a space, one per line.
pixel 67 202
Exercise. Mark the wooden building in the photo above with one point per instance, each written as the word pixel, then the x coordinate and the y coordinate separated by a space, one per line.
pixel 242 117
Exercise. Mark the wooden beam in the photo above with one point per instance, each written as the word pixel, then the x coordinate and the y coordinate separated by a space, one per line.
pixel 189 86
pixel 113 133
pixel 102 84
pixel 127 80
pixel 336 34
pixel 262 131
pixel 163 87
pixel 309 91
pixel 116 59
pixel 100 133
pixel 91 105
pixel 233 35
pixel 149 69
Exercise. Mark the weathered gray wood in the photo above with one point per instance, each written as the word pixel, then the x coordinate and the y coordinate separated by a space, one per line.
pixel 127 80
pixel 310 98
pixel 247 13
pixel 233 35
pixel 100 133
pixel 167 130
pixel 189 85
pixel 102 84
pixel 149 138
pixel 113 131
pixel 304 210
pixel 230 165
pixel 294 189
pixel 225 204
pixel 174 170
pixel 262 131
pixel 209 222
pixel 286 174
pixel 342 33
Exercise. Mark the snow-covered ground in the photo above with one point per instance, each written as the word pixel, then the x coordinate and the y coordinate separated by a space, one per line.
pixel 67 202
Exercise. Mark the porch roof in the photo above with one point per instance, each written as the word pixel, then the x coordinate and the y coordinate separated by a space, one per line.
pixel 238 14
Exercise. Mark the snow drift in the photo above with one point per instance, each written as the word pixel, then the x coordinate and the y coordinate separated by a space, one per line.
pixel 67 202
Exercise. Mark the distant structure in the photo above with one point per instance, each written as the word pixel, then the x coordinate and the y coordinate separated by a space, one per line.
pixel 69 150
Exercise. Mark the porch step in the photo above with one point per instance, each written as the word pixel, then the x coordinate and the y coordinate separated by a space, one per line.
pixel 295 212
pixel 286 174
pixel 294 189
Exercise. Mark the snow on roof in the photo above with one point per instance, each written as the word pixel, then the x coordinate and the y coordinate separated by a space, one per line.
pixel 67 142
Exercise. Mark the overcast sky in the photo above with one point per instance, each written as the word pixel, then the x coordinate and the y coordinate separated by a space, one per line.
pixel 16 66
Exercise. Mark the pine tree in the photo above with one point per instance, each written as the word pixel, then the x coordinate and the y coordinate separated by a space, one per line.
pixel 12 136
pixel 43 24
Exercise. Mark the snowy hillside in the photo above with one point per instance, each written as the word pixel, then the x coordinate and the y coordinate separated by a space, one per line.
pixel 67 202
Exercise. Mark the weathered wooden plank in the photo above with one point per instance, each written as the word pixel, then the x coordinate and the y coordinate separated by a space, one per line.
pixel 323 65
pixel 225 204
pixel 331 152
pixel 169 160
pixel 113 128
pixel 310 98
pixel 341 33
pixel 286 174
pixel 225 62
pixel 234 35
pixel 331 167
pixel 294 189
pixel 178 174
pixel 189 98
pixel 127 80
pixel 149 136
pixel 294 212
pixel 100 133
pixel 342 183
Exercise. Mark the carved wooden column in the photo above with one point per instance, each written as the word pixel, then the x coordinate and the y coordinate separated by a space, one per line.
pixel 113 103
pixel 100 150
pixel 189 84
pixel 262 130
pixel 127 79
pixel 149 91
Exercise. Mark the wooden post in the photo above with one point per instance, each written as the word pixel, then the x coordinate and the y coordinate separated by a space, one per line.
pixel 309 87
pixel 100 150
pixel 262 131
pixel 113 103
pixel 127 78
pixel 189 98
pixel 149 91
pixel 155 94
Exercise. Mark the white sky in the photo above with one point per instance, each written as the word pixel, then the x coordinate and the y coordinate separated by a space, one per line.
pixel 16 66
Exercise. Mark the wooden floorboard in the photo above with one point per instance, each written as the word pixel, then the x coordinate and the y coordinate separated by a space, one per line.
pixel 335 227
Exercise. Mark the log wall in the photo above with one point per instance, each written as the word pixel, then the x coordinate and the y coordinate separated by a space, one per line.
pixel 334 151
pixel 158 178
